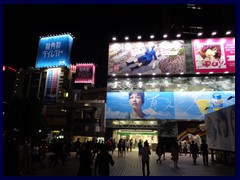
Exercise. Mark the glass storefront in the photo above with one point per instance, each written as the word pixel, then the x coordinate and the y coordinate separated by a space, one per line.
pixel 136 134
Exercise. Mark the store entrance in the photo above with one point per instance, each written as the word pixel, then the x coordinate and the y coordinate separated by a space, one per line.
pixel 136 134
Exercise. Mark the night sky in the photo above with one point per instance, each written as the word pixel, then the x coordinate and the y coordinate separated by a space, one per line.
pixel 94 25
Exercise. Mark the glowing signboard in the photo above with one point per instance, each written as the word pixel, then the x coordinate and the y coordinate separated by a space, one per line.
pixel 54 51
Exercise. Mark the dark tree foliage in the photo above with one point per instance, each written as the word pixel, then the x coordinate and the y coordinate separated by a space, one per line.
pixel 24 120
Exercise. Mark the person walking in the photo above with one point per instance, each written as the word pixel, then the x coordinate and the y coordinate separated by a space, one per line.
pixel 204 149
pixel 159 152
pixel 85 160
pixel 139 147
pixel 145 152
pixel 131 145
pixel 194 151
pixel 175 153
pixel 77 145
pixel 103 159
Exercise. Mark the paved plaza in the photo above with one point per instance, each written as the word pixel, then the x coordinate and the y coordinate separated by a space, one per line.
pixel 131 166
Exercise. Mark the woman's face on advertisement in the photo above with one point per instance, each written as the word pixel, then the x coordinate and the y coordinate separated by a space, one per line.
pixel 135 101
pixel 210 53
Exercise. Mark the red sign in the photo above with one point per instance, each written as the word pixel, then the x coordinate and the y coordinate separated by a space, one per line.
pixel 85 73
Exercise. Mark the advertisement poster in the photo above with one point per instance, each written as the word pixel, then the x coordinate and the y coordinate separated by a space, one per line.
pixel 51 87
pixel 220 129
pixel 54 51
pixel 191 105
pixel 215 55
pixel 150 57
pixel 85 73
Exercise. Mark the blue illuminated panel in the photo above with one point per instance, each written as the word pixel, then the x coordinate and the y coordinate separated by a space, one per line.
pixel 54 51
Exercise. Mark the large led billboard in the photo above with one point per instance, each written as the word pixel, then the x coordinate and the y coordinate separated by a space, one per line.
pixel 220 129
pixel 146 58
pixel 54 51
pixel 215 55
pixel 190 105
pixel 85 73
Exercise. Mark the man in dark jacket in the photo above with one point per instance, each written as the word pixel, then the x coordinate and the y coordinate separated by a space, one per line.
pixel 194 151
pixel 102 162
pixel 204 149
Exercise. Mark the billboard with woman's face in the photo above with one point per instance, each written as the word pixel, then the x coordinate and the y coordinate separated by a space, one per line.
pixel 191 105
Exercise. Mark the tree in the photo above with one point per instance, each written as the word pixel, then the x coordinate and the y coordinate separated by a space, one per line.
pixel 24 119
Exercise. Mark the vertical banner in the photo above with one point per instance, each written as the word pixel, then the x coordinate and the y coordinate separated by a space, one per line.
pixel 220 129
pixel 54 51
pixel 215 55
pixel 85 73
pixel 51 87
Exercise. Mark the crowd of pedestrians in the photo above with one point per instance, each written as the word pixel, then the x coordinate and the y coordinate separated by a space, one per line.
pixel 95 157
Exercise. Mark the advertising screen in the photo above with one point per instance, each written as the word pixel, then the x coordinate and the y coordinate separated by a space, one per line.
pixel 215 55
pixel 54 51
pixel 85 73
pixel 150 57
pixel 191 105
pixel 220 129
pixel 51 87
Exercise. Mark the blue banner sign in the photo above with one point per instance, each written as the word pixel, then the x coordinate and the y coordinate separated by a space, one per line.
pixel 191 105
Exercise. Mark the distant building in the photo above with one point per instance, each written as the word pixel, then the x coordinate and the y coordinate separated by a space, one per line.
pixel 72 110
pixel 9 76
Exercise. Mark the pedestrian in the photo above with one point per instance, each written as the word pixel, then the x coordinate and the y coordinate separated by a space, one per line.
pixel 145 152
pixel 119 145
pixel 139 147
pixel 86 161
pixel 159 152
pixel 185 148
pixel 180 148
pixel 103 159
pixel 131 145
pixel 175 153
pixel 204 149
pixel 77 147
pixel 194 151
